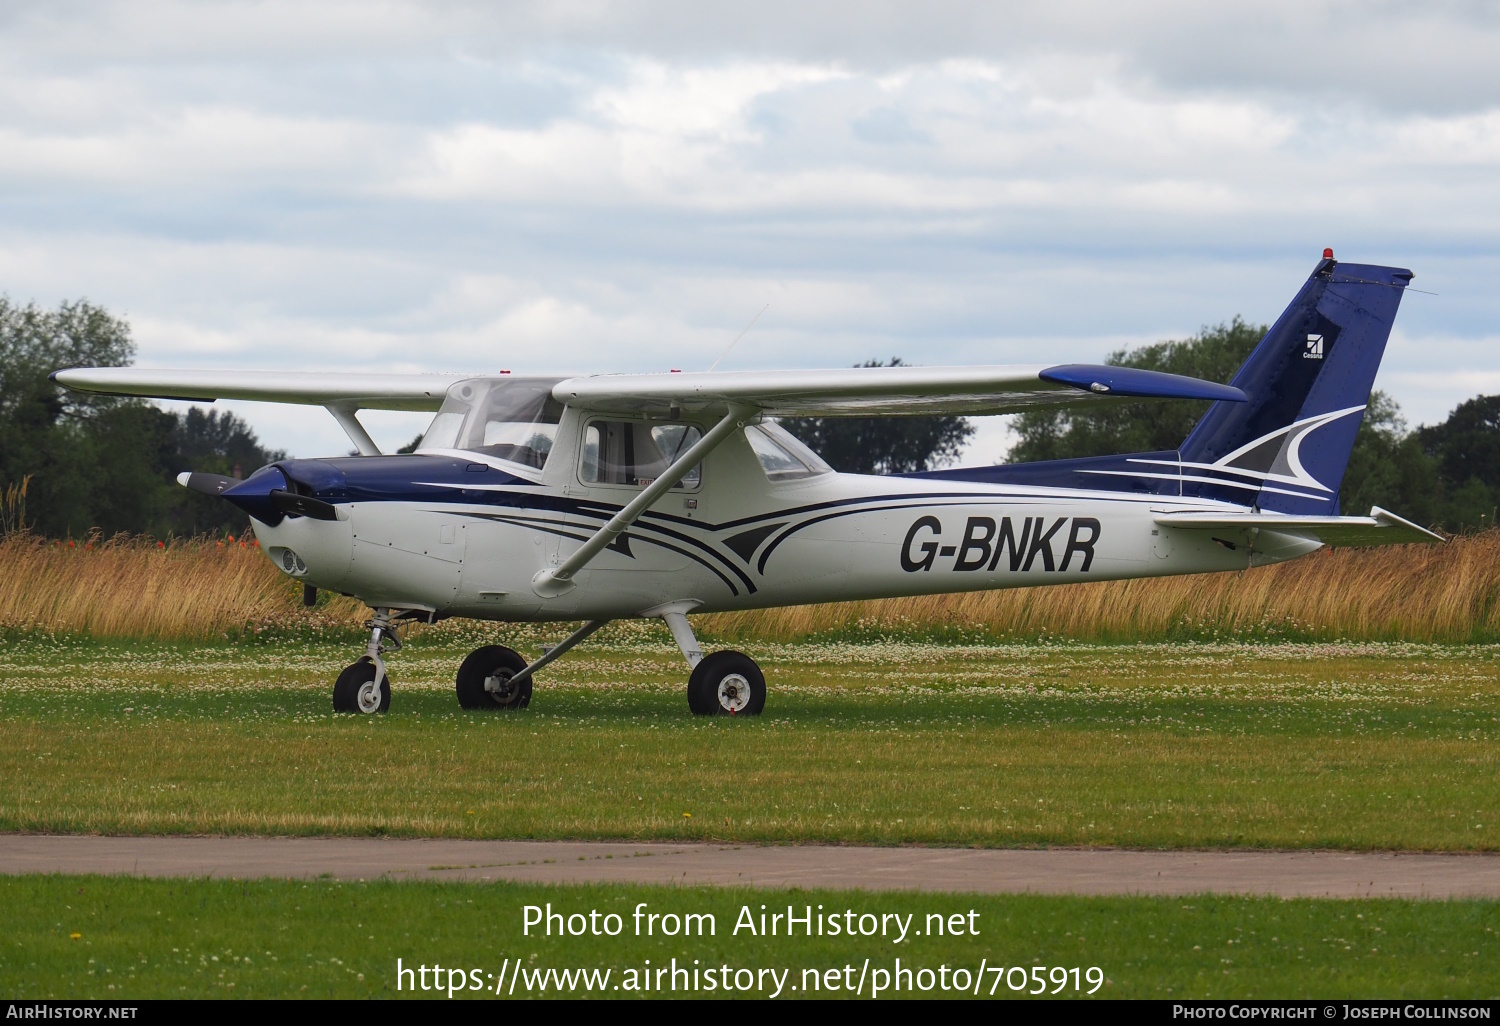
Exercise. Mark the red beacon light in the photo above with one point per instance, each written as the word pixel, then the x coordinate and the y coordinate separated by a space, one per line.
pixel 1328 253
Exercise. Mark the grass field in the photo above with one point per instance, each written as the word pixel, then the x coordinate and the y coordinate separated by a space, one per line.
pixel 182 689
pixel 1388 746
pixel 120 938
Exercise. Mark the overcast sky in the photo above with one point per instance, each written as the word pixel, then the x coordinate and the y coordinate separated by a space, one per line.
pixel 594 186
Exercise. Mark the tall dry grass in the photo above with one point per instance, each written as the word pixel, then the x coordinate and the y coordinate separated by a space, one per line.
pixel 1414 592
pixel 205 589
pixel 137 588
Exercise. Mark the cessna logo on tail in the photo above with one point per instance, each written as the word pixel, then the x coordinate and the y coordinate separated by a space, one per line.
pixel 984 544
pixel 1314 348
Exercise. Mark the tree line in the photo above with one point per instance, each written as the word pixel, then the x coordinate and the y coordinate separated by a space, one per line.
pixel 109 464
pixel 104 463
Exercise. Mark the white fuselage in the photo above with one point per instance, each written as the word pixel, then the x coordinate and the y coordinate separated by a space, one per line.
pixel 737 540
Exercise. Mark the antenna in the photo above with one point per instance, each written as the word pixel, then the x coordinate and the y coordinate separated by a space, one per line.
pixel 739 336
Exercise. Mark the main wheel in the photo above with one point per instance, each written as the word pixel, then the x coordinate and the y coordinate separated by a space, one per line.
pixel 727 684
pixel 358 691
pixel 484 679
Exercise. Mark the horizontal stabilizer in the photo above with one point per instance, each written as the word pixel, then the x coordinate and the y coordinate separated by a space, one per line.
pixel 1379 528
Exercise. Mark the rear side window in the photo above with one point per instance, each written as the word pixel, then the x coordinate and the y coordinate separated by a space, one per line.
pixel 635 452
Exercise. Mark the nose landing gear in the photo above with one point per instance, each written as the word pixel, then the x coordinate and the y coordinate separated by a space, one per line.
pixel 364 686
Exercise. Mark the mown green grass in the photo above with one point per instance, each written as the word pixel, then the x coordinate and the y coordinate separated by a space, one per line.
pixel 1326 746
pixel 218 938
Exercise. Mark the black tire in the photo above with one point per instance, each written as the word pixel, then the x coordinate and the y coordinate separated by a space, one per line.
pixel 727 684
pixel 492 661
pixel 352 694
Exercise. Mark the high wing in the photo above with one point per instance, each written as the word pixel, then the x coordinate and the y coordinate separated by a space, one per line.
pixel 873 391
pixel 346 391
pixel 342 395
pixel 1381 527
pixel 853 391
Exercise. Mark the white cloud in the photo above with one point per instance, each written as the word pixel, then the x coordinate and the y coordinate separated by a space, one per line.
pixel 599 185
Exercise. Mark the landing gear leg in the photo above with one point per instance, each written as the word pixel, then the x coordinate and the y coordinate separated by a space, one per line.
pixel 722 684
pixel 364 686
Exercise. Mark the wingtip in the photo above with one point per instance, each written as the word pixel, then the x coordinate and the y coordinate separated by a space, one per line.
pixel 1135 382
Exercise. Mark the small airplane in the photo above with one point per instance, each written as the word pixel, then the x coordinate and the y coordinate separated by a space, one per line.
pixel 608 496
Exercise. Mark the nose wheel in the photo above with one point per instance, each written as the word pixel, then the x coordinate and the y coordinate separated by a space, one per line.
pixel 727 684
pixel 364 686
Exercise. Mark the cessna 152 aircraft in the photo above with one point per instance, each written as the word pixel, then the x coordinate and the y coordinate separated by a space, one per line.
pixel 655 495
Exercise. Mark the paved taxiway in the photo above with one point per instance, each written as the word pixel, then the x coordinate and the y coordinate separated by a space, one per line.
pixel 1049 871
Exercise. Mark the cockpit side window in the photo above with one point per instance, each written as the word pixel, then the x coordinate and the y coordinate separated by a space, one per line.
pixel 781 455
pixel 442 433
pixel 635 452
pixel 514 420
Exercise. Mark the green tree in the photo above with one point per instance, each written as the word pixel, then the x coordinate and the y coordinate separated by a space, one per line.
pixel 1466 449
pixel 104 462
pixel 57 437
pixel 883 445
pixel 1388 468
pixel 215 442
pixel 1213 354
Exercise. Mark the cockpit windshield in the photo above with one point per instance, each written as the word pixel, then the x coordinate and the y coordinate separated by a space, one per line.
pixel 512 419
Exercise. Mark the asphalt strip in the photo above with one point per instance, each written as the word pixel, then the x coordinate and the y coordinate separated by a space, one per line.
pixel 988 871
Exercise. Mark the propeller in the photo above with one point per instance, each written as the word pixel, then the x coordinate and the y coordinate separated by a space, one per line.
pixel 286 502
pixel 208 484
pixel 302 505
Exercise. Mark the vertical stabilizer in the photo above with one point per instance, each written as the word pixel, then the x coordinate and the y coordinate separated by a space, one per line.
pixel 1308 382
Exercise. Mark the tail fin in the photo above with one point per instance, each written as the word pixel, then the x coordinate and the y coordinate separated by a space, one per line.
pixel 1308 382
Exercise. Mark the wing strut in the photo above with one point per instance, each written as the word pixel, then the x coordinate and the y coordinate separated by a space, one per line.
pixel 353 428
pixel 557 650
pixel 558 580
